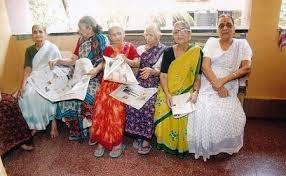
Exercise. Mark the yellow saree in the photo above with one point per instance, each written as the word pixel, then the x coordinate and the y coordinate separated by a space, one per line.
pixel 171 132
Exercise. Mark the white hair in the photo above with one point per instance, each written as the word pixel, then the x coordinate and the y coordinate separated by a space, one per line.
pixel 154 27
pixel 115 25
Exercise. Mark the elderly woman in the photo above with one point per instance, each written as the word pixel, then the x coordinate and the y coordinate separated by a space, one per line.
pixel 218 123
pixel 140 123
pixel 90 45
pixel 108 119
pixel 179 74
pixel 14 130
pixel 37 111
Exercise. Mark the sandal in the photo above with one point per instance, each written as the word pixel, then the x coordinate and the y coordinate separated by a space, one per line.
pixel 27 147
pixel 116 153
pixel 74 138
pixel 33 132
pixel 144 150
pixel 99 152
pixel 137 143
pixel 91 142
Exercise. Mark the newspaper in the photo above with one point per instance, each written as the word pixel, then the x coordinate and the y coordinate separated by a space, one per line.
pixel 181 105
pixel 59 85
pixel 133 95
pixel 117 70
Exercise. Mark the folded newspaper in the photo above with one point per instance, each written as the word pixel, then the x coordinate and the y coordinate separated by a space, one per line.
pixel 133 95
pixel 181 105
pixel 58 84
pixel 117 70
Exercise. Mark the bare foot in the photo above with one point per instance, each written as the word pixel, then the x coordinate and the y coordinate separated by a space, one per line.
pixel 54 130
pixel 33 132
pixel 27 147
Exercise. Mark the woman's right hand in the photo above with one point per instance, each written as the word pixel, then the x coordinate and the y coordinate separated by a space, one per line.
pixel 19 93
pixel 145 72
pixel 53 63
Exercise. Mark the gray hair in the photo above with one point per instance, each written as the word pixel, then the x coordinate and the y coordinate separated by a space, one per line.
pixel 115 25
pixel 40 25
pixel 155 27
pixel 226 15
pixel 90 21
pixel 183 23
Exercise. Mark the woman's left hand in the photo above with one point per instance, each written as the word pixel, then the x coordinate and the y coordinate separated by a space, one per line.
pixel 124 57
pixel 193 97
pixel 93 72
pixel 169 100
pixel 15 94
pixel 145 72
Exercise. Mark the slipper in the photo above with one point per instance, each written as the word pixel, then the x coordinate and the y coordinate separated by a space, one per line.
pixel 33 132
pixel 27 147
pixel 117 152
pixel 91 142
pixel 145 150
pixel 99 152
pixel 137 143
pixel 74 138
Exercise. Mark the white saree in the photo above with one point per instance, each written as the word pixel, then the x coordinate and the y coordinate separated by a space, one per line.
pixel 217 124
pixel 37 110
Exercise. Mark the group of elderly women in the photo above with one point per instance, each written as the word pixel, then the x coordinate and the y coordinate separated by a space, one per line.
pixel 209 75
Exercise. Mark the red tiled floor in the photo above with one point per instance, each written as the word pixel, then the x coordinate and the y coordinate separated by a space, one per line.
pixel 263 154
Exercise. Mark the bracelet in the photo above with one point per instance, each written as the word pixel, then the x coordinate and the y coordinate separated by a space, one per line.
pixel 234 74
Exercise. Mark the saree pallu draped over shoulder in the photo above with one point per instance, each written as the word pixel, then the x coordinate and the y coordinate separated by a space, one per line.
pixel 108 119
pixel 171 132
pixel 140 123
pixel 37 110
pixel 74 112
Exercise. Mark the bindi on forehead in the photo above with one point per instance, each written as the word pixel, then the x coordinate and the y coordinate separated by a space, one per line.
pixel 225 20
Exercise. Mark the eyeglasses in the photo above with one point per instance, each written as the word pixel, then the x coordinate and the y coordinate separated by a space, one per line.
pixel 182 31
pixel 222 25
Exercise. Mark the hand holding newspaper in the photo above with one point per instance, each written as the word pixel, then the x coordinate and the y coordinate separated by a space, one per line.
pixel 133 95
pixel 58 84
pixel 77 86
pixel 117 70
pixel 181 105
